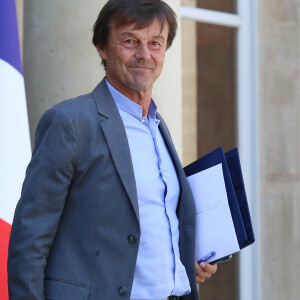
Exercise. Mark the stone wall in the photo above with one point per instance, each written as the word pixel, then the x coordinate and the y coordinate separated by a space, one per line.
pixel 279 147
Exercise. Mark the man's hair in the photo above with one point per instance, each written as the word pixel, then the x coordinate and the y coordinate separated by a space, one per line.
pixel 140 12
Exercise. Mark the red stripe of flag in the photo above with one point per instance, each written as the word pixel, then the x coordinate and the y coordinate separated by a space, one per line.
pixel 4 238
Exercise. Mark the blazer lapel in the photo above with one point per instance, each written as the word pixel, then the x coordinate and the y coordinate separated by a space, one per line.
pixel 186 208
pixel 115 134
pixel 167 138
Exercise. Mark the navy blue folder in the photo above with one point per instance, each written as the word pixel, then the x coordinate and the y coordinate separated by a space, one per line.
pixel 235 189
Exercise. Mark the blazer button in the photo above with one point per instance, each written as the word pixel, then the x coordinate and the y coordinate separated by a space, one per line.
pixel 131 239
pixel 122 290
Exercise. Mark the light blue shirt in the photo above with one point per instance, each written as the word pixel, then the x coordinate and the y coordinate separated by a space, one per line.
pixel 159 272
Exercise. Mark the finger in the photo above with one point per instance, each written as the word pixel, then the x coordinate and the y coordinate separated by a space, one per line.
pixel 198 269
pixel 211 269
pixel 199 279
pixel 205 275
pixel 201 273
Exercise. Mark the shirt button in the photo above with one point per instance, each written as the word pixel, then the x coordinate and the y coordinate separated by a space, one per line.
pixel 131 239
pixel 122 290
pixel 143 120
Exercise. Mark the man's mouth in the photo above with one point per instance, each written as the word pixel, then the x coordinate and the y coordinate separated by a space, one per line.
pixel 140 68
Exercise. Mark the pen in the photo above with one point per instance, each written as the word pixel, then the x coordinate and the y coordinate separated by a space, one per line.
pixel 206 257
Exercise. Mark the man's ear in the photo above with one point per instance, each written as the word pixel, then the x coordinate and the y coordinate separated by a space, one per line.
pixel 101 52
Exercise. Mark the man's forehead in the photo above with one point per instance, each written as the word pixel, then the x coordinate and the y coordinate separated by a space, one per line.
pixel 156 26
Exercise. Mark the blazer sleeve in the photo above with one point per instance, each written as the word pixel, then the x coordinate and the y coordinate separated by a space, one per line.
pixel 38 212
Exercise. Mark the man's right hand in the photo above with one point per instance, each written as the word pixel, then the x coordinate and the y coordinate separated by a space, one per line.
pixel 204 271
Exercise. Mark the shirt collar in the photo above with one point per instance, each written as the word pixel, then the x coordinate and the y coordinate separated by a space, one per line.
pixel 129 106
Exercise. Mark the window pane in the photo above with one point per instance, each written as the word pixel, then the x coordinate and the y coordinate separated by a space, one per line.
pixel 219 5
pixel 216 97
pixel 209 116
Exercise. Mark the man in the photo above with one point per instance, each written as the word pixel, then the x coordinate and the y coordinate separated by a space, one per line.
pixel 106 211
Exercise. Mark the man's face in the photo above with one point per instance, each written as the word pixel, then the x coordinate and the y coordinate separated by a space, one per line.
pixel 134 57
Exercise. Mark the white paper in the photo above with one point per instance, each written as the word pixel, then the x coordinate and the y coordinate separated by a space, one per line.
pixel 214 226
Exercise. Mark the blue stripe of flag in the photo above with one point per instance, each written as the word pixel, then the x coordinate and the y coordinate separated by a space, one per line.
pixel 9 36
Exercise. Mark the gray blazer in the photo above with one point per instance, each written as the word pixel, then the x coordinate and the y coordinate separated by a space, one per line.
pixel 76 228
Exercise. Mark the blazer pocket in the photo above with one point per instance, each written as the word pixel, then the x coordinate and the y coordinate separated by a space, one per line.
pixel 59 290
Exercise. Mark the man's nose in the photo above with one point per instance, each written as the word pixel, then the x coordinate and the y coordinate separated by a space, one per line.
pixel 142 52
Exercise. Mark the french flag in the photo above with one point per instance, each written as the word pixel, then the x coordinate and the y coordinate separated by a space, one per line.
pixel 15 149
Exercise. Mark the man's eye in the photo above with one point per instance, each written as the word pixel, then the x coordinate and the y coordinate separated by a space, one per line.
pixel 155 44
pixel 129 41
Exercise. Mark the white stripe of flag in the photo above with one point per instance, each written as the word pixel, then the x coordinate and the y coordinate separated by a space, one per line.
pixel 15 149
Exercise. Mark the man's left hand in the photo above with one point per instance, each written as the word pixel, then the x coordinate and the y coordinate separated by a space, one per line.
pixel 204 271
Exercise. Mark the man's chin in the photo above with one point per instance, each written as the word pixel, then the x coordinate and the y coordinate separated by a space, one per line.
pixel 141 86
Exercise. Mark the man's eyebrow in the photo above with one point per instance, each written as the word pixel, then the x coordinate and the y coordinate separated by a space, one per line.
pixel 159 37
pixel 128 33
